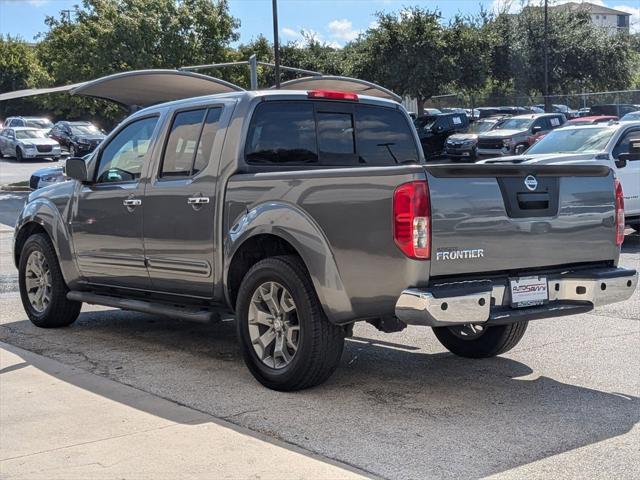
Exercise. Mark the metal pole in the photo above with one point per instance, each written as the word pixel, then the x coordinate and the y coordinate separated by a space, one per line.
pixel 253 72
pixel 546 56
pixel 276 46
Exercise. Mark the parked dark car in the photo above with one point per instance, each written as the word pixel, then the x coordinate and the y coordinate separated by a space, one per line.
pixel 463 146
pixel 433 130
pixel 79 138
pixel 515 135
pixel 613 109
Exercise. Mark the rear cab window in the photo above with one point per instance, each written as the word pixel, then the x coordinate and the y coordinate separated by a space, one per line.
pixel 323 133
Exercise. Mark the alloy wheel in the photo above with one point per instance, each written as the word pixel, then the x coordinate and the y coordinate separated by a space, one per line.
pixel 38 281
pixel 274 329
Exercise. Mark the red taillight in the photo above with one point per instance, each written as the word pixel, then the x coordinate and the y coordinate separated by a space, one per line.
pixel 333 95
pixel 412 219
pixel 619 212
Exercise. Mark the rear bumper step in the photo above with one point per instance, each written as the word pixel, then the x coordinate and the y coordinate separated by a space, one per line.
pixel 487 302
pixel 166 310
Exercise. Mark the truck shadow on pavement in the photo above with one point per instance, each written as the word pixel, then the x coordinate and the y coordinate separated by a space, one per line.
pixel 390 409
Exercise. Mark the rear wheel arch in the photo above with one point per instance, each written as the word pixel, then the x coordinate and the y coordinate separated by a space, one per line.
pixel 250 252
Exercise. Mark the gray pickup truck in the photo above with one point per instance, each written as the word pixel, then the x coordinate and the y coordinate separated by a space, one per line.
pixel 303 212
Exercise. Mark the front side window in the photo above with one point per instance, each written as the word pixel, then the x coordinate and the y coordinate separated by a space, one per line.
pixel 384 137
pixel 282 133
pixel 624 142
pixel 123 158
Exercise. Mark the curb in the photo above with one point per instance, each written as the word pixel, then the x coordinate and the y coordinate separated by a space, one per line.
pixel 9 188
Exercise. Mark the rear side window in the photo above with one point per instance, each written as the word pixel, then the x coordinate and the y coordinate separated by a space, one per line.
pixel 384 137
pixel 299 133
pixel 282 133
pixel 190 142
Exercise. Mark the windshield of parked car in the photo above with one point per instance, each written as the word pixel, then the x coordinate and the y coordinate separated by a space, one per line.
pixel 24 134
pixel 515 124
pixel 631 116
pixel 424 123
pixel 39 123
pixel 480 127
pixel 87 129
pixel 573 140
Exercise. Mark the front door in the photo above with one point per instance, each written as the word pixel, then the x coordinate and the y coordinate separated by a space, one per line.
pixel 628 173
pixel 180 206
pixel 107 215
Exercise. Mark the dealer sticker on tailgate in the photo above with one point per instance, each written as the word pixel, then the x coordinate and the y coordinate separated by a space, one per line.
pixel 528 291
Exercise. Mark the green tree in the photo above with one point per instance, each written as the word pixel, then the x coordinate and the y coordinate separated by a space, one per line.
pixel 19 66
pixel 406 52
pixel 109 36
pixel 582 56
pixel 19 69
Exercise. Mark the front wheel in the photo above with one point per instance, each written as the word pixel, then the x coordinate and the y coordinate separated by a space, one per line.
pixel 287 341
pixel 72 151
pixel 19 156
pixel 476 341
pixel 42 287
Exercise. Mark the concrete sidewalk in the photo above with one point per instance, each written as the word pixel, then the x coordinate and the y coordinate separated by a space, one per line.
pixel 60 422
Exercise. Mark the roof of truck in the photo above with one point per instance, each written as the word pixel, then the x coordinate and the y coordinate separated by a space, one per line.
pixel 250 94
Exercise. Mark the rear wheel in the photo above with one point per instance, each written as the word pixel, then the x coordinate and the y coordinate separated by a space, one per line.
pixel 287 341
pixel 42 288
pixel 475 341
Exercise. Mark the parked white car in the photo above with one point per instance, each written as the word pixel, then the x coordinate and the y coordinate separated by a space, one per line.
pixel 27 143
pixel 606 144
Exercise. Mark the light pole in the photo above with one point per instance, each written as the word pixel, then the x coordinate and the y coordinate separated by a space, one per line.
pixel 547 106
pixel 276 44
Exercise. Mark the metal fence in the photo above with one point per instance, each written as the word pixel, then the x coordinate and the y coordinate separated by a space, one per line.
pixel 573 101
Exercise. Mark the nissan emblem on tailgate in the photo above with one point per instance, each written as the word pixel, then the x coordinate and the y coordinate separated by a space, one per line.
pixel 530 182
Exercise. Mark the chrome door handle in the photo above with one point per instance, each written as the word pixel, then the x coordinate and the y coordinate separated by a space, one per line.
pixel 132 202
pixel 198 200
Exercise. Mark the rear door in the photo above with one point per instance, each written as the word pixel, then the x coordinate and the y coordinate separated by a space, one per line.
pixel 179 215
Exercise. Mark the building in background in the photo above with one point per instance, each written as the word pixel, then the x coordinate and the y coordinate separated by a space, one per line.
pixel 609 18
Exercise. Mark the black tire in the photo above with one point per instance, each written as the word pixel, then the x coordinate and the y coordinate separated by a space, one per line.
pixel 60 312
pixel 523 146
pixel 19 156
pixel 320 342
pixel 493 341
pixel 72 151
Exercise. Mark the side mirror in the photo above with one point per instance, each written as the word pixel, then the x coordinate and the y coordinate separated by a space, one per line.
pixel 76 168
pixel 536 129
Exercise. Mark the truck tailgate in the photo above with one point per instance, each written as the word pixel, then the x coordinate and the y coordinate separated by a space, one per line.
pixel 488 218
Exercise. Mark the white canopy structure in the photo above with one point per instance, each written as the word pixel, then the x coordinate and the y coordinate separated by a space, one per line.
pixel 343 84
pixel 139 88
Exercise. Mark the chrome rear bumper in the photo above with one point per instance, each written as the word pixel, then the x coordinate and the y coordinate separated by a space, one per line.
pixel 486 301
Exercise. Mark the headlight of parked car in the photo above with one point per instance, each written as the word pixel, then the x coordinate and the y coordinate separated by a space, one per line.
pixel 52 178
pixel 29 146
pixel 506 142
pixel 82 141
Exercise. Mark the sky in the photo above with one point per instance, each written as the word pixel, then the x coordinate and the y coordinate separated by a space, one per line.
pixel 335 22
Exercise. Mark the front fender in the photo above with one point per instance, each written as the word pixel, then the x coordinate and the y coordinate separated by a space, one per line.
pixel 45 213
pixel 292 224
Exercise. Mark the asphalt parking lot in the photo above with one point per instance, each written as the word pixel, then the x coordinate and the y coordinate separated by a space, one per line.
pixel 12 171
pixel 565 403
